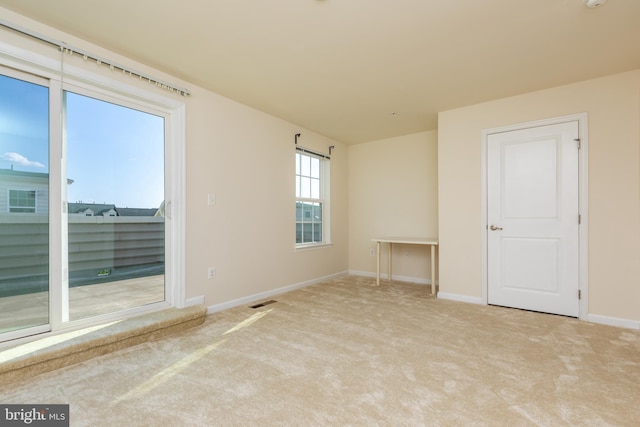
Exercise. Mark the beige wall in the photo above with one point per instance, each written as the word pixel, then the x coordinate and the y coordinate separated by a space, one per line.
pixel 246 158
pixel 613 107
pixel 393 192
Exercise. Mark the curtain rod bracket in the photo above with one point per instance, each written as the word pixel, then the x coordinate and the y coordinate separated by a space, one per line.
pixel 331 147
pixel 297 135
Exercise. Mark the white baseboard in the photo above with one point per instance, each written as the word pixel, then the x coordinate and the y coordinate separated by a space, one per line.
pixel 460 298
pixel 411 279
pixel 593 318
pixel 365 274
pixel 267 294
pixel 613 321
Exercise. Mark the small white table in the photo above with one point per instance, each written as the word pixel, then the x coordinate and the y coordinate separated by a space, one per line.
pixel 429 241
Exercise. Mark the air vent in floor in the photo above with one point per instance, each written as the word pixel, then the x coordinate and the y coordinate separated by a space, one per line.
pixel 262 304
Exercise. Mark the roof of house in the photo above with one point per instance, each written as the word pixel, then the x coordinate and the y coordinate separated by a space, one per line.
pixel 101 208
pixel 136 211
pixel 11 173
pixel 96 208
pixel 14 173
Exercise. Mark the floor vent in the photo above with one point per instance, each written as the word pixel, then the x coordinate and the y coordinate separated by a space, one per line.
pixel 262 304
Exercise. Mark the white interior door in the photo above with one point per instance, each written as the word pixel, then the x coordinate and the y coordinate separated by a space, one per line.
pixel 532 212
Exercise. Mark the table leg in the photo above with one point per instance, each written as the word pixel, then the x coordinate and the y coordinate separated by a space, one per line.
pixel 378 264
pixel 433 269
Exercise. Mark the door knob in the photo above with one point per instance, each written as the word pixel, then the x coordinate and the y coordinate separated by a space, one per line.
pixel 495 227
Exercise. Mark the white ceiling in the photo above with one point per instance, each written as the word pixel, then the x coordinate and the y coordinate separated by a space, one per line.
pixel 359 70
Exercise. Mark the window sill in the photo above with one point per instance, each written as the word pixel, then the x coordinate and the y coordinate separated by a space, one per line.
pixel 311 246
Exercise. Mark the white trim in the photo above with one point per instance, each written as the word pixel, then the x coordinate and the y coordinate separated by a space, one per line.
pixel 583 208
pixel 177 209
pixel 362 273
pixel 23 335
pixel 263 295
pixel 58 213
pixel 613 321
pixel 460 298
pixel 583 267
pixel 29 62
pixel 367 274
pixel 410 279
pixel 310 246
pixel 484 217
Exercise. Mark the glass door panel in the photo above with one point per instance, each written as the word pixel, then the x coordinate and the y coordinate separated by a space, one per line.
pixel 24 206
pixel 115 193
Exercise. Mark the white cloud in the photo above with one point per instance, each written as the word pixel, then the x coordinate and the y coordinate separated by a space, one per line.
pixel 19 159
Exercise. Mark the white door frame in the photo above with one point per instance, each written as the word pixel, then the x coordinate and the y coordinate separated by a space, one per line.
pixel 582 203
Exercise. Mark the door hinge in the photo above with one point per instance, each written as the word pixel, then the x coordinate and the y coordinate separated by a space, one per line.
pixel 579 219
pixel 579 294
pixel 578 141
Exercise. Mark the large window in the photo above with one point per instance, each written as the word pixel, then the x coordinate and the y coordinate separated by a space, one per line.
pixel 312 177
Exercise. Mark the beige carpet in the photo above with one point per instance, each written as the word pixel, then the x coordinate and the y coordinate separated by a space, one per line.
pixel 346 352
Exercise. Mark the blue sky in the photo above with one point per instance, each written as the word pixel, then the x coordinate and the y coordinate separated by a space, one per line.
pixel 114 154
pixel 24 126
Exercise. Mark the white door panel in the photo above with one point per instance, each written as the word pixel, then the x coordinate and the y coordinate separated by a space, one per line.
pixel 532 189
pixel 530 264
pixel 530 179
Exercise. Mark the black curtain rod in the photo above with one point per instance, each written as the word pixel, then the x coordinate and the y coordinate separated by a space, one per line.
pixel 307 150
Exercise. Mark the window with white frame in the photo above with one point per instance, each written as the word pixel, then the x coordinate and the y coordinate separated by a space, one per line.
pixel 312 178
pixel 22 201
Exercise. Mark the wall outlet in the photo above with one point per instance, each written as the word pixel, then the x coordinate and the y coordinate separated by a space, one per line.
pixel 405 254
pixel 372 252
pixel 211 199
pixel 211 273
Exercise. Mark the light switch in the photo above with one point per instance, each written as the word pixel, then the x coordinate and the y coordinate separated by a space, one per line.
pixel 211 199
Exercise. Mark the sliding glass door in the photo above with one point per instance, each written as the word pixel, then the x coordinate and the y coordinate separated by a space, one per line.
pixel 115 193
pixel 24 204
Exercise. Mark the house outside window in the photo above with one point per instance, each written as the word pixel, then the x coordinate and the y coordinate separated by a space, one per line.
pixel 22 201
pixel 312 178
